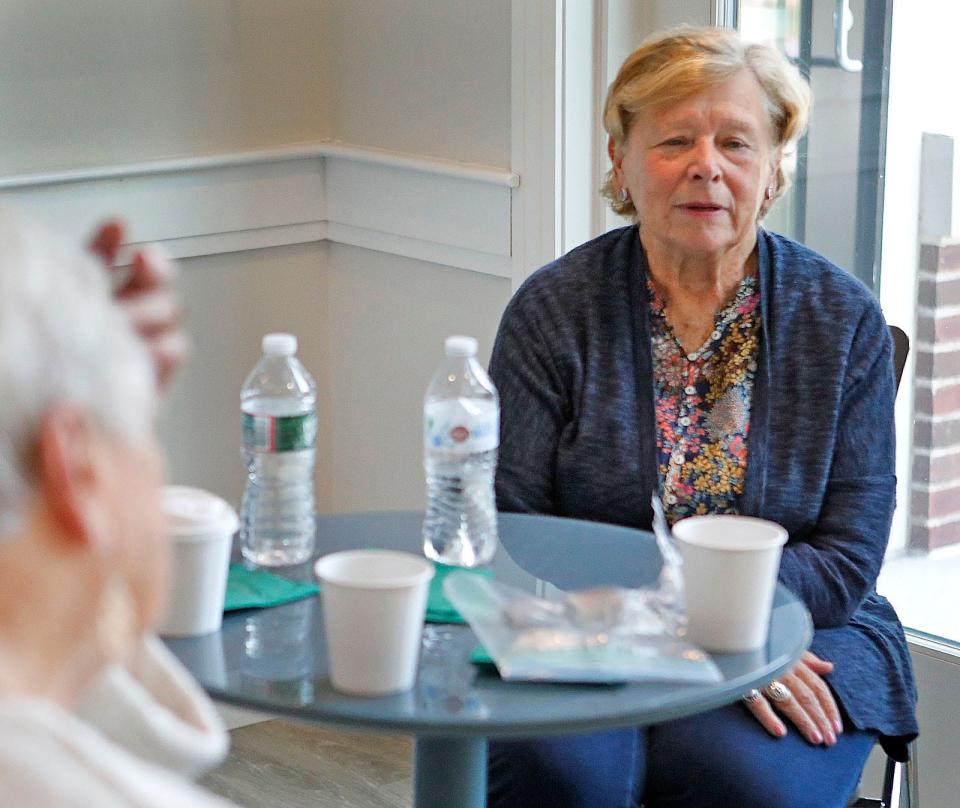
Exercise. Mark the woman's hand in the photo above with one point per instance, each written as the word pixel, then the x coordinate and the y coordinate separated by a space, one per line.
pixel 147 299
pixel 809 704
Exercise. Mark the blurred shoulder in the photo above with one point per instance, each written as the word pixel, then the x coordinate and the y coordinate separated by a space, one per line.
pixel 50 758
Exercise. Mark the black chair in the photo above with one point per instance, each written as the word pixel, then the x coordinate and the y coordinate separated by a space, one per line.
pixel 901 347
pixel 898 777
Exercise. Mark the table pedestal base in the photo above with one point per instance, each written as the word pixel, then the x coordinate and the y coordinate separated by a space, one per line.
pixel 450 772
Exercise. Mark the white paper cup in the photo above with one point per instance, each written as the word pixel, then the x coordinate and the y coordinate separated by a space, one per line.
pixel 200 526
pixel 730 566
pixel 374 602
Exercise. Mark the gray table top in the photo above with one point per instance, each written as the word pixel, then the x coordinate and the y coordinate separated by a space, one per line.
pixel 275 659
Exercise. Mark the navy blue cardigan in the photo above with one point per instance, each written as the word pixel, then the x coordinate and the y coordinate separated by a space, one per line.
pixel 572 362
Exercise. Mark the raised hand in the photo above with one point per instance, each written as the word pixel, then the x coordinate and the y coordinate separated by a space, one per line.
pixel 147 298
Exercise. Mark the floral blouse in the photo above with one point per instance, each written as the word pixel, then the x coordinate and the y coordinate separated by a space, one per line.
pixel 702 402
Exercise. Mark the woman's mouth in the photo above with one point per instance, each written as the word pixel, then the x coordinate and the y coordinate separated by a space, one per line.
pixel 700 208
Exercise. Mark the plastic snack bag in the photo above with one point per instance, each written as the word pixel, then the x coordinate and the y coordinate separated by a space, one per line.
pixel 607 634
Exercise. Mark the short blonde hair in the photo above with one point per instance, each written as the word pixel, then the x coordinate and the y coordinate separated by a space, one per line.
pixel 675 65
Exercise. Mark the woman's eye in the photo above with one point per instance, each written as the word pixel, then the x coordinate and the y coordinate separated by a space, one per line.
pixel 674 141
pixel 736 144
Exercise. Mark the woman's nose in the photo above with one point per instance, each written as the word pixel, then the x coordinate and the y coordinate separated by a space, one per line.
pixel 704 162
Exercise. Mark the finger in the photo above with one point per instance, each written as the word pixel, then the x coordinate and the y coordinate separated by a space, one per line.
pixel 152 312
pixel 169 352
pixel 824 696
pixel 150 269
pixel 803 710
pixel 820 666
pixel 107 240
pixel 767 717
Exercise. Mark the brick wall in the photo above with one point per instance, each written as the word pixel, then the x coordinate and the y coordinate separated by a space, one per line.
pixel 935 494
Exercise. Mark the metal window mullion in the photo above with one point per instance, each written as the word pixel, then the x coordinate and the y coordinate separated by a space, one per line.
pixel 871 163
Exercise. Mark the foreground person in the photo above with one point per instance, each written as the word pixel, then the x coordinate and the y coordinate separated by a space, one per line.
pixel 93 711
pixel 730 370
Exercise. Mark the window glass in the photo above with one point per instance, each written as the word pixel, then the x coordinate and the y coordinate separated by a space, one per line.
pixel 875 193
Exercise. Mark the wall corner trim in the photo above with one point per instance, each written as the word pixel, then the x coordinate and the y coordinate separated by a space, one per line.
pixel 442 211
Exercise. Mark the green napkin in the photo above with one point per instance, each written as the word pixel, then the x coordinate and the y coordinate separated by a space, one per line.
pixel 479 656
pixel 439 609
pixel 248 589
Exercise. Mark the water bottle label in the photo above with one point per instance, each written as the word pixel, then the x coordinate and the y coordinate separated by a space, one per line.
pixel 461 426
pixel 279 433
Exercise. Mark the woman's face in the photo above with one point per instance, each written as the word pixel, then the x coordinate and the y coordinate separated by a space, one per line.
pixel 697 170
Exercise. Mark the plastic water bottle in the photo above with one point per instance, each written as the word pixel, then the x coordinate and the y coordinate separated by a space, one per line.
pixel 278 404
pixel 461 431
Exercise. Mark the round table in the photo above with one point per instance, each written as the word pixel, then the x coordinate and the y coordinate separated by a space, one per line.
pixel 275 659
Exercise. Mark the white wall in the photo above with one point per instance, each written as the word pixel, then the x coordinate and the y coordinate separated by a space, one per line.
pixel 370 326
pixel 115 81
pixel 127 81
pixel 388 318
pixel 659 15
pixel 427 77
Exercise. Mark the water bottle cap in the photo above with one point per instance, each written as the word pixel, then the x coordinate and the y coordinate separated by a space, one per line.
pixel 460 346
pixel 279 344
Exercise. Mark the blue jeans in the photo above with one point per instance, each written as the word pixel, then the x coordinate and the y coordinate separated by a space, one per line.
pixel 721 758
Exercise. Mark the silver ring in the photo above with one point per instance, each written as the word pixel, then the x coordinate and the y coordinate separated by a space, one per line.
pixel 777 691
pixel 751 696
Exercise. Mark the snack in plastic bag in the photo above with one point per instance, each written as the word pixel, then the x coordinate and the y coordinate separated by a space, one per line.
pixel 599 635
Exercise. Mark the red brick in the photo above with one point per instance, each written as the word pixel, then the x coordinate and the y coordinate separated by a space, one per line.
pixel 930 538
pixel 927 293
pixel 948 257
pixel 929 257
pixel 947 329
pixel 944 535
pixel 943 364
pixel 934 434
pixel 932 329
pixel 940 469
pixel 936 504
pixel 946 400
pixel 932 293
pixel 919 538
pixel 926 328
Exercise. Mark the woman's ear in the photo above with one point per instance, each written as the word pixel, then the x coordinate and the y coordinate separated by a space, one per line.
pixel 773 179
pixel 70 475
pixel 614 157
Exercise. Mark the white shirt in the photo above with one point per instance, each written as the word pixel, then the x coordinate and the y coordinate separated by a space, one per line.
pixel 136 734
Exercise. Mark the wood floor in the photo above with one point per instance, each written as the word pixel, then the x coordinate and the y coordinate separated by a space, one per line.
pixel 278 764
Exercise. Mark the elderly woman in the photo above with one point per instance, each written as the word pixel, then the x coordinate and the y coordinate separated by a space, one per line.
pixel 92 710
pixel 730 370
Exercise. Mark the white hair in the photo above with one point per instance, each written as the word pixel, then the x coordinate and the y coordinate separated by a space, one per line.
pixel 62 339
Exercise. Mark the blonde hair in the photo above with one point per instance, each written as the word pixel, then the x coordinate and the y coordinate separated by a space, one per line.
pixel 675 65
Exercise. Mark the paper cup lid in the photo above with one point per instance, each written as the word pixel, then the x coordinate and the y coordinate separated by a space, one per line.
pixel 730 532
pixel 193 513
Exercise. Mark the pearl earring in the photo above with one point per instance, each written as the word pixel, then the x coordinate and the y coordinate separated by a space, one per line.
pixel 624 195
